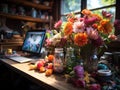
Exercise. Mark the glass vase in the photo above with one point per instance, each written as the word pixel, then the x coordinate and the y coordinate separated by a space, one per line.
pixel 90 62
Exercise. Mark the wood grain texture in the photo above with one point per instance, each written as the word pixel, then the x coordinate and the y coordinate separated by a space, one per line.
pixel 54 82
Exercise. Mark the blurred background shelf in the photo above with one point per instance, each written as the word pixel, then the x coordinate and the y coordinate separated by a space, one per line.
pixel 20 17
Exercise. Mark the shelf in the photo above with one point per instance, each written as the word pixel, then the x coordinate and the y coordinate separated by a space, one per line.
pixel 30 4
pixel 26 18
pixel 2 44
pixel 12 41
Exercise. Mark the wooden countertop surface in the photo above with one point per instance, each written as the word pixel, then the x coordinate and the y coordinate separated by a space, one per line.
pixel 53 82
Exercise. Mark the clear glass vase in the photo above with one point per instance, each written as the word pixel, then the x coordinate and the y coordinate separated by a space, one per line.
pixel 90 62
pixel 89 56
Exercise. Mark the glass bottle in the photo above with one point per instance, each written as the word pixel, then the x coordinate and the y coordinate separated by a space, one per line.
pixel 34 13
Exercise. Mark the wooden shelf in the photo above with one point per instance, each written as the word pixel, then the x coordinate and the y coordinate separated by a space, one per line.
pixel 26 18
pixel 12 41
pixel 30 4
pixel 12 44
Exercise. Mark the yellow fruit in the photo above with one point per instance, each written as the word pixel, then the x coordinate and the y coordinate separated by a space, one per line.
pixel 32 67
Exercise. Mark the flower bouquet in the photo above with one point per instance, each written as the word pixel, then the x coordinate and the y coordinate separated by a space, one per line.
pixel 86 36
pixel 88 33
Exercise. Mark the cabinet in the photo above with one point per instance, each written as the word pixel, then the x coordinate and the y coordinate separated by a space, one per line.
pixel 14 16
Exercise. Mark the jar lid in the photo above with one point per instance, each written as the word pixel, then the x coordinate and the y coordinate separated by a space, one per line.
pixel 107 53
pixel 58 49
pixel 104 72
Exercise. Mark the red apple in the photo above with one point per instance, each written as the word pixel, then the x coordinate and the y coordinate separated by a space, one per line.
pixel 50 66
pixel 40 64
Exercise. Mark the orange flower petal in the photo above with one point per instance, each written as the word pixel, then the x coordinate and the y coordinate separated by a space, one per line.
pixel 81 39
pixel 105 26
pixel 86 12
pixel 68 28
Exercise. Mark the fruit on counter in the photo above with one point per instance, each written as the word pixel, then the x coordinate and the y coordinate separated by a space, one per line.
pixel 50 58
pixel 32 67
pixel 40 64
pixel 43 65
pixel 49 66
pixel 49 72
pixel 42 69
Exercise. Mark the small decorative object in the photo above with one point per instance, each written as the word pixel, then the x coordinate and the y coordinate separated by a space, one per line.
pixel 9 51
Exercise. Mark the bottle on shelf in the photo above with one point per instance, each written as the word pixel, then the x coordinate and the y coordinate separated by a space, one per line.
pixel 34 13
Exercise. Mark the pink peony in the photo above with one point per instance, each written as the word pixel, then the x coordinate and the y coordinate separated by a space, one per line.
pixel 78 27
pixel 58 24
pixel 92 34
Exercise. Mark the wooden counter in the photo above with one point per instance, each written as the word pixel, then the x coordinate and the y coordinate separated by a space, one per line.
pixel 54 82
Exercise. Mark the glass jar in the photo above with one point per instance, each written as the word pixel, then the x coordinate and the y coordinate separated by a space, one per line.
pixel 59 60
pixel 70 59
pixel 91 63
